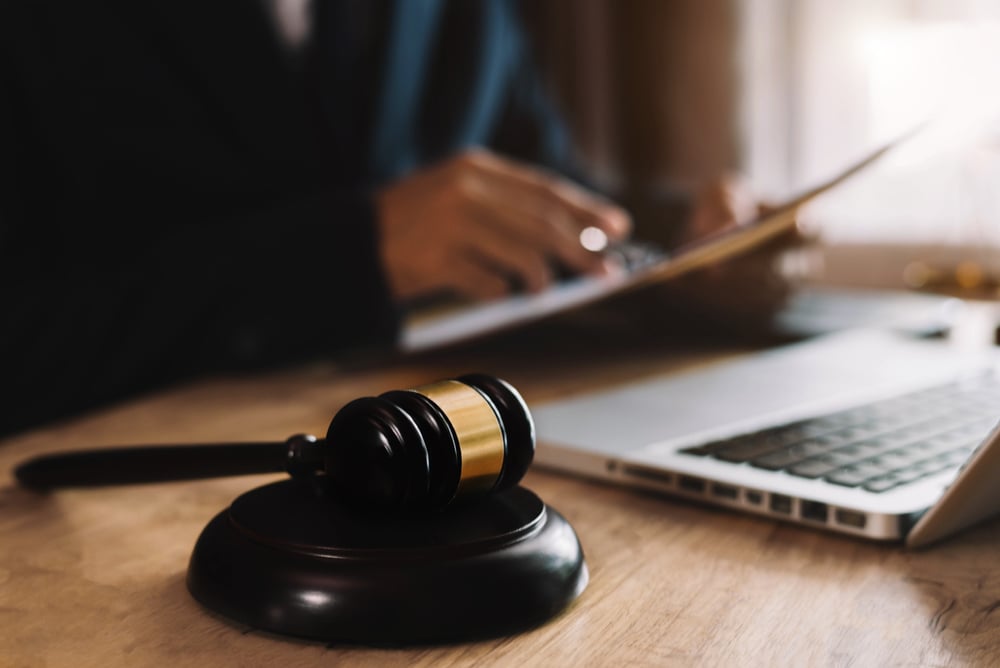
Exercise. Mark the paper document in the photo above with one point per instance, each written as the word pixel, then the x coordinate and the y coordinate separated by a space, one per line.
pixel 423 331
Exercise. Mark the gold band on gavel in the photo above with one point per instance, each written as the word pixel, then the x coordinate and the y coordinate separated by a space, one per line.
pixel 480 435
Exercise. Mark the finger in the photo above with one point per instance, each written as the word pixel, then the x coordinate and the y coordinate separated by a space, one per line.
pixel 545 234
pixel 520 182
pixel 523 265
pixel 474 280
pixel 588 210
pixel 723 203
pixel 740 200
pixel 570 248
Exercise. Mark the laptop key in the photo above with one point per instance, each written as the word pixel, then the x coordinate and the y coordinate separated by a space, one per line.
pixel 852 476
pixel 883 483
pixel 869 448
pixel 748 447
pixel 897 459
pixel 817 467
pixel 813 447
pixel 710 448
pixel 746 451
pixel 776 461
pixel 914 472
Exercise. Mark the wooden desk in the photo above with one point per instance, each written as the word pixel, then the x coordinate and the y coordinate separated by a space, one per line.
pixel 96 577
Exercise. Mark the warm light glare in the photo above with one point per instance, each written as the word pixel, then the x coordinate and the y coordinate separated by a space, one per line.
pixel 829 80
pixel 941 71
pixel 940 187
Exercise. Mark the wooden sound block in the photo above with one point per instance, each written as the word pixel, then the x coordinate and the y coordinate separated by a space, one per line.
pixel 285 559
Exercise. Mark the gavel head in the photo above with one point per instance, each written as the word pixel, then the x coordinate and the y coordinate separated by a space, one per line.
pixel 426 447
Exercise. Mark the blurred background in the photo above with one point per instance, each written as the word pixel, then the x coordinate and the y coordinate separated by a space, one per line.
pixel 788 92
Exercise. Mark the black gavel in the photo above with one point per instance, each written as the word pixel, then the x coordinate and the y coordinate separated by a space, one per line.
pixel 417 449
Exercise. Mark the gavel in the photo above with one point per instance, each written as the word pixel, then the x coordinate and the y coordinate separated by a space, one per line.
pixel 419 449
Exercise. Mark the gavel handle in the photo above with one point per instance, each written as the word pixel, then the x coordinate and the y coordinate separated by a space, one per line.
pixel 153 463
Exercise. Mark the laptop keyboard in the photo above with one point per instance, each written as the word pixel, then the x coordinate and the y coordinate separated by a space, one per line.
pixel 635 255
pixel 877 446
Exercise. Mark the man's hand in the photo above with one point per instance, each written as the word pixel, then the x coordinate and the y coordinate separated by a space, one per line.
pixel 745 291
pixel 478 225
pixel 725 202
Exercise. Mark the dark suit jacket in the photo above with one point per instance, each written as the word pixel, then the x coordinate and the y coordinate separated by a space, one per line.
pixel 178 196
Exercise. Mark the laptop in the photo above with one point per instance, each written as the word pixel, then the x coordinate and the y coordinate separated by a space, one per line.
pixel 867 432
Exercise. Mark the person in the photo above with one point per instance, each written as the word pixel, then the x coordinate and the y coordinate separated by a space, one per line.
pixel 195 188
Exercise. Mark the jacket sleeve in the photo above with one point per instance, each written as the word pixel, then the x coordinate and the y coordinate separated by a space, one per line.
pixel 530 126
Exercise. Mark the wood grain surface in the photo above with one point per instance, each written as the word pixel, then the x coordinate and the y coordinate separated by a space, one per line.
pixel 96 577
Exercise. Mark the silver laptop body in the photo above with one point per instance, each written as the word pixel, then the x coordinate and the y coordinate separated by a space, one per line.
pixel 644 434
